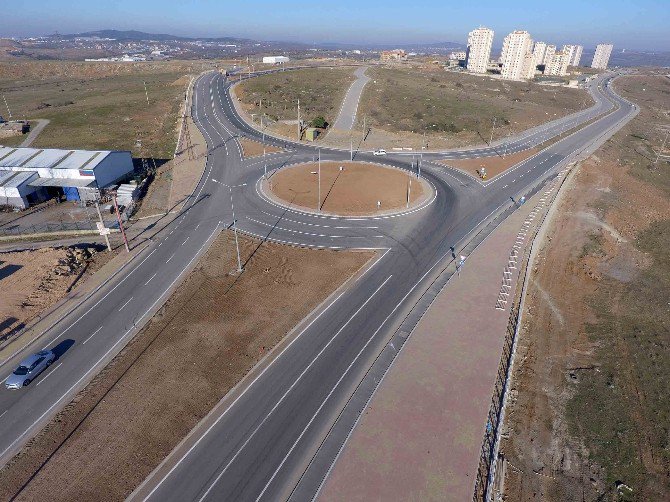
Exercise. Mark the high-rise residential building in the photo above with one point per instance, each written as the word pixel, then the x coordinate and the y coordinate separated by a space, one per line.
pixel 517 57
pixel 548 54
pixel 602 56
pixel 538 52
pixel 558 64
pixel 574 53
pixel 479 49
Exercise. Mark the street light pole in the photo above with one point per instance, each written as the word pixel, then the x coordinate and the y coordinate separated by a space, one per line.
pixel 492 128
pixel 318 205
pixel 232 208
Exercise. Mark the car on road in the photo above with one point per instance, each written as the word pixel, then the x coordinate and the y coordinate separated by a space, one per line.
pixel 379 151
pixel 29 369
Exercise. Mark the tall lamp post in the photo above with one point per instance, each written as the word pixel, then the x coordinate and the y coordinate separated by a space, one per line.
pixel 232 207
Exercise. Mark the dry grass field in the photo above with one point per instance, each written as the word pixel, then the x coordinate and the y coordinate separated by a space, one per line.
pixel 97 105
pixel 320 91
pixel 457 109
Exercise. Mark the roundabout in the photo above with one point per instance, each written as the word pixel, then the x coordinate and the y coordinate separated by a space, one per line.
pixel 346 188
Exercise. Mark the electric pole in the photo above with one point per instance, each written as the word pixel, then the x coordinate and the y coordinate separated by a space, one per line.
pixel 97 208
pixel 299 126
pixel 118 218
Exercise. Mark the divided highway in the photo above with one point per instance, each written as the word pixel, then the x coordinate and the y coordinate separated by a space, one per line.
pixel 259 441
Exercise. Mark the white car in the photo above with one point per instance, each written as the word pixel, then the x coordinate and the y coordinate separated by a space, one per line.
pixel 380 151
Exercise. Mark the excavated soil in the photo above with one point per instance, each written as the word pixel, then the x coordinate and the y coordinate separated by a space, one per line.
pixel 354 190
pixel 588 413
pixel 210 333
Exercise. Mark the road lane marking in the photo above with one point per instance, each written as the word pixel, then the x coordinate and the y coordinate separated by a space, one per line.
pixel 150 278
pixel 123 306
pixel 242 394
pixel 168 260
pixel 96 303
pixel 286 393
pixel 184 241
pixel 94 333
pixel 49 374
pixel 3 413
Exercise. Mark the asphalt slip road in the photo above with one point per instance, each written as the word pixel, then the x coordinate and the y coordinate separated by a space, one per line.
pixel 258 444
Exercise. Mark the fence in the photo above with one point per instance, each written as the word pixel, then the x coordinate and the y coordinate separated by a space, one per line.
pixel 54 227
pixel 489 451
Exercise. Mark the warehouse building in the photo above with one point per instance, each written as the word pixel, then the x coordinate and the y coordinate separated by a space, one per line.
pixel 31 175
pixel 275 59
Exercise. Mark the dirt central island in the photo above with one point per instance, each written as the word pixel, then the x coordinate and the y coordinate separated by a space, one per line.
pixel 347 188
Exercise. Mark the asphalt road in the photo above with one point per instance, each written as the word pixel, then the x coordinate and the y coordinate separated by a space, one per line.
pixel 260 440
pixel 347 116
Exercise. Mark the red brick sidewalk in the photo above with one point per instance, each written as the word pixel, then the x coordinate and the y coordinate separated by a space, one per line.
pixel 420 437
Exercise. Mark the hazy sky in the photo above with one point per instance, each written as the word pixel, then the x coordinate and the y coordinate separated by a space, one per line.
pixel 641 24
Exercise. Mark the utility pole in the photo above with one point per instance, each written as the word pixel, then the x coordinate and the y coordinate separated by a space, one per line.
pixel 318 206
pixel 492 128
pixel 265 165
pixel 146 93
pixel 351 148
pixel 97 208
pixel 418 175
pixel 299 127
pixel 232 208
pixel 409 189
pixel 8 110
pixel 118 218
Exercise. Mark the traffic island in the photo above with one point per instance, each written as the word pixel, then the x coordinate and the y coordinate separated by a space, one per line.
pixel 347 188
pixel 492 166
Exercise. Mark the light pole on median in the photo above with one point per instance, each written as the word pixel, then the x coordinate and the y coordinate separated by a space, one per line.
pixel 232 207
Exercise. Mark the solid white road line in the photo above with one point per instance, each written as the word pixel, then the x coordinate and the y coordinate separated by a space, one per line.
pixel 50 373
pixel 286 393
pixel 94 333
pixel 123 306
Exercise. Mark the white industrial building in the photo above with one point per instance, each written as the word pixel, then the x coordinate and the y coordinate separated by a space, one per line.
pixel 517 58
pixel 479 49
pixel 602 56
pixel 275 59
pixel 30 175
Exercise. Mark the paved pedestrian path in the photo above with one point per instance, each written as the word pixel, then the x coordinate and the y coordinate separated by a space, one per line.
pixel 347 117
pixel 421 434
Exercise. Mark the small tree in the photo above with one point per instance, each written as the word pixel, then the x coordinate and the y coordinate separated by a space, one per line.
pixel 319 122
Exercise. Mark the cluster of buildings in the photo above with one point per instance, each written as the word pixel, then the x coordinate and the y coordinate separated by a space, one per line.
pixel 394 55
pixel 521 57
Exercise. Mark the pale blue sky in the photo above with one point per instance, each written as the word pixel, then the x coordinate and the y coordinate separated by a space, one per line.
pixel 642 24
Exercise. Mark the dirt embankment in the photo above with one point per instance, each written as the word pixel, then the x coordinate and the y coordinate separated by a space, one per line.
pixel 354 190
pixel 589 413
pixel 33 281
pixel 201 343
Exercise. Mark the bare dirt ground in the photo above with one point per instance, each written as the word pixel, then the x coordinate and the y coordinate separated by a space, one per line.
pixel 352 191
pixel 212 331
pixel 589 411
pixel 493 165
pixel 254 148
pixel 33 281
